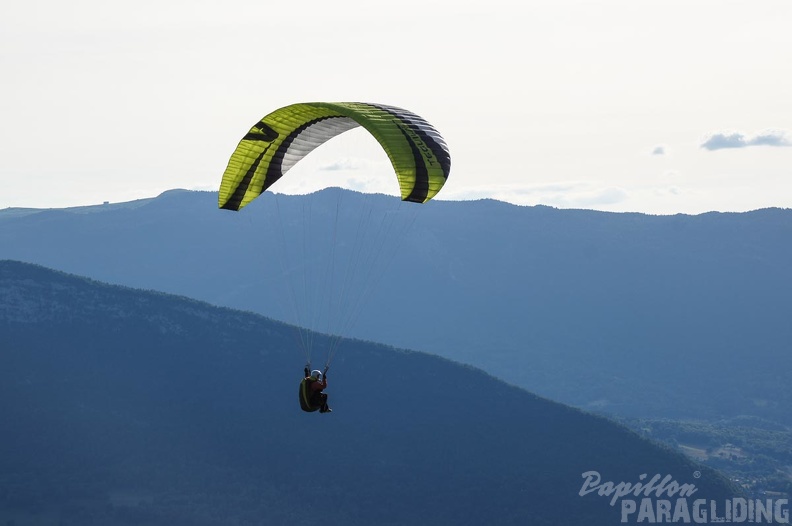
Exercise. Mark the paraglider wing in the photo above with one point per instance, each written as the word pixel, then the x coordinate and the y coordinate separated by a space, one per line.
pixel 418 153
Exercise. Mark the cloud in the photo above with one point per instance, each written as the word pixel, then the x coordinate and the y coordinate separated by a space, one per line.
pixel 667 191
pixel 720 141
pixel 571 194
pixel 361 176
pixel 772 138
pixel 350 164
pixel 658 150
pixel 595 197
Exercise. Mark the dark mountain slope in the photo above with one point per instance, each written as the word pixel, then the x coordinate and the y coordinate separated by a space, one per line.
pixel 129 407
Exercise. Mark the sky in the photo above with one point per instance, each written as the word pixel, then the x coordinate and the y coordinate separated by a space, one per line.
pixel 616 105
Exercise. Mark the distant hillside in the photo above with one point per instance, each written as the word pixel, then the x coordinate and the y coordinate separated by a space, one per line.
pixel 675 316
pixel 754 452
pixel 127 407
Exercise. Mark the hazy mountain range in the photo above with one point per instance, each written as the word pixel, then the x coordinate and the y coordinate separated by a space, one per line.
pixel 122 407
pixel 652 316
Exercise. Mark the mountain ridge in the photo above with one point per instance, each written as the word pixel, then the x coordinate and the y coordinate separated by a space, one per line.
pixel 586 307
pixel 150 408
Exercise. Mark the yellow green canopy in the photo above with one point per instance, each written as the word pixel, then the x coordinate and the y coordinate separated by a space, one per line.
pixel 419 155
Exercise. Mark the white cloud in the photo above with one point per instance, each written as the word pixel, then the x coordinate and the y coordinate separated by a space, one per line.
pixel 358 178
pixel 346 164
pixel 667 191
pixel 570 194
pixel 593 197
pixel 720 141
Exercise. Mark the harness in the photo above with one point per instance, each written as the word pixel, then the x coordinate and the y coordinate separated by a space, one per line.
pixel 305 395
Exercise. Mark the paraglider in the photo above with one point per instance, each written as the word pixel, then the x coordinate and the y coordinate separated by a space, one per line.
pixel 312 397
pixel 275 144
